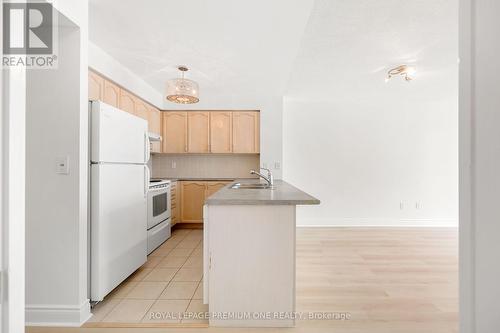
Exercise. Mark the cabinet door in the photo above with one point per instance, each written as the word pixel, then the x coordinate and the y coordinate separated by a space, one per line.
pixel 213 187
pixel 174 132
pixel 127 101
pixel 154 122
pixel 111 94
pixel 246 132
pixel 192 200
pixel 141 109
pixel 174 203
pixel 96 86
pixel 198 132
pixel 220 132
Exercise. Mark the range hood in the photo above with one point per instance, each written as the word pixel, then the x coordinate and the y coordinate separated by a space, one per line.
pixel 153 137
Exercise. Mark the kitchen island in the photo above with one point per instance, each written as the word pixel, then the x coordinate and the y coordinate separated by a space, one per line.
pixel 249 255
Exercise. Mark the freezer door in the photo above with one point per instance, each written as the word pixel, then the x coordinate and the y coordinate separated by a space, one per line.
pixel 117 136
pixel 118 226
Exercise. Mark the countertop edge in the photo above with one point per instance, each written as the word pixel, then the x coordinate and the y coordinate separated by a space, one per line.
pixel 236 202
pixel 302 200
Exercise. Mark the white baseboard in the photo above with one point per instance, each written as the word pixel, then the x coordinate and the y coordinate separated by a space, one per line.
pixel 57 315
pixel 369 222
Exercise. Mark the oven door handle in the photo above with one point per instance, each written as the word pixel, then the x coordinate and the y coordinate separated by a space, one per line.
pixel 159 190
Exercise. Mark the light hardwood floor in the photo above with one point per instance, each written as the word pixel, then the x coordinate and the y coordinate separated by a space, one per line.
pixel 401 280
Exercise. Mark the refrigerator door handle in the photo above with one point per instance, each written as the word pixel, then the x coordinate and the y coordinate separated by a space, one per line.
pixel 146 181
pixel 147 148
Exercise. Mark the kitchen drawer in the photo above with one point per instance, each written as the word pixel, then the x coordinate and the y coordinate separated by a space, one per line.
pixel 158 234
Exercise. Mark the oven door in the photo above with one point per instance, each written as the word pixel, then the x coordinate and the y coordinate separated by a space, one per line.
pixel 158 205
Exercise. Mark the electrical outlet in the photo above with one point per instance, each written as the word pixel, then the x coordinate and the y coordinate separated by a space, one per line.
pixel 401 205
pixel 264 165
pixel 277 165
pixel 174 165
pixel 418 205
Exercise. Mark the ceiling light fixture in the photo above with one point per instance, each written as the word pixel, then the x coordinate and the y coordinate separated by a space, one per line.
pixel 181 90
pixel 403 70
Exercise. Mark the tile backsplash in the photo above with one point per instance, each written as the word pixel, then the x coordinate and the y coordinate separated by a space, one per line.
pixel 204 166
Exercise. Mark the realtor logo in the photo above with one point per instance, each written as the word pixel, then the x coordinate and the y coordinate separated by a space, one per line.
pixel 27 28
pixel 28 34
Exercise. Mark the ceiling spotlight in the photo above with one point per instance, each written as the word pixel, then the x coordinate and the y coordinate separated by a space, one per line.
pixel 403 70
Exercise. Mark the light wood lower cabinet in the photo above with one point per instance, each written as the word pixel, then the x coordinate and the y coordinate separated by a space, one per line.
pixel 193 195
pixel 192 199
pixel 213 187
pixel 174 203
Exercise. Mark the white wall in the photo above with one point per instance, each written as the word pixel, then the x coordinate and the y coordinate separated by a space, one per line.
pixel 480 165
pixel 103 63
pixel 56 205
pixel 362 159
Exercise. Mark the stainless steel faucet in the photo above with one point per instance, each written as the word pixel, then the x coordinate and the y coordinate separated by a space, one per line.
pixel 269 179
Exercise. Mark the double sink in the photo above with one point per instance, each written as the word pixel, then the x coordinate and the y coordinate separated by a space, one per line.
pixel 250 186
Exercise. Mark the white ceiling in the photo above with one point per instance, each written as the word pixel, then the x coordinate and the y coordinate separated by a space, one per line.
pixel 338 49
pixel 237 47
pixel 349 46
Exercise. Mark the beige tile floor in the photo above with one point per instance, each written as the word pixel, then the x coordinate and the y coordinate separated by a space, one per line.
pixel 391 280
pixel 168 284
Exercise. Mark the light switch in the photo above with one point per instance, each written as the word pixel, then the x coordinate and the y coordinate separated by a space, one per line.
pixel 62 165
pixel 264 165
pixel 173 165
pixel 277 165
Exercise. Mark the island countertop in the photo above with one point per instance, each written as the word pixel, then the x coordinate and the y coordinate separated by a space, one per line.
pixel 282 194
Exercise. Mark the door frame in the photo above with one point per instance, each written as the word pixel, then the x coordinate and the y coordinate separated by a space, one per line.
pixel 465 148
pixel 12 196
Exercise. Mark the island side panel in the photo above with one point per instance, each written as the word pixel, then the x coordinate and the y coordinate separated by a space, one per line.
pixel 205 254
pixel 251 259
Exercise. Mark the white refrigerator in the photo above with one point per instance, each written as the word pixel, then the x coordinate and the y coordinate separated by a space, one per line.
pixel 119 181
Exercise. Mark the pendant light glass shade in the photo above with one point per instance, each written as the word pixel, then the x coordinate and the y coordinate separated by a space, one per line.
pixel 181 90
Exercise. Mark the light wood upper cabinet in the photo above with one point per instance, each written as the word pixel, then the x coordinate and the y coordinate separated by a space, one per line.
pixel 127 101
pixel 220 132
pixel 141 109
pixel 96 86
pixel 246 132
pixel 111 94
pixel 198 132
pixel 154 123
pixel 154 120
pixel 174 132
pixel 192 200
pixel 203 132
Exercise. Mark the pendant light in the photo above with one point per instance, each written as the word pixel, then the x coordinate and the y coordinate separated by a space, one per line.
pixel 182 90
